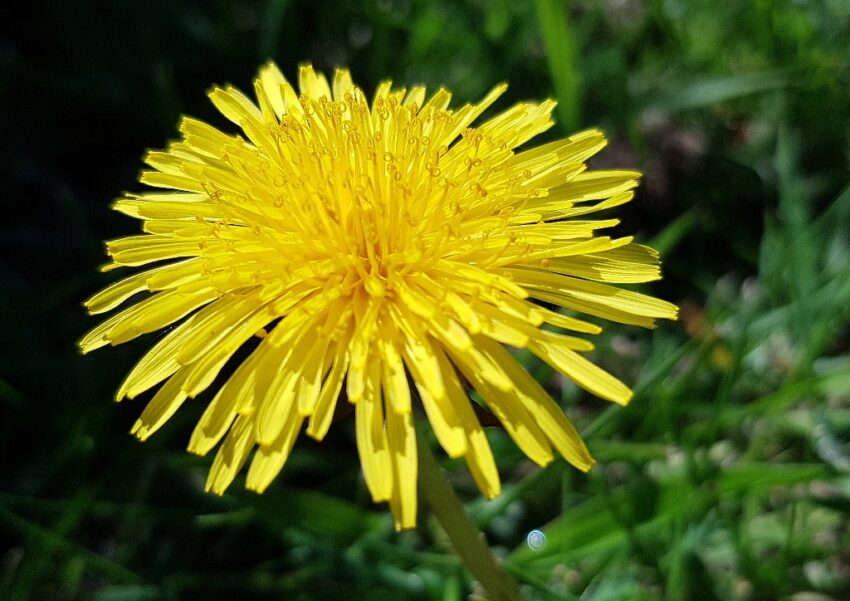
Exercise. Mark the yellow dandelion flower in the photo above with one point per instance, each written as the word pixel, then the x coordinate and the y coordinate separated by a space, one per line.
pixel 368 246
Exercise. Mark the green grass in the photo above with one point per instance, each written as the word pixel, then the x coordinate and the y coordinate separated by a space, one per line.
pixel 727 477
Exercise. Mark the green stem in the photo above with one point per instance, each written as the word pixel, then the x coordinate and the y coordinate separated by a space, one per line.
pixel 467 540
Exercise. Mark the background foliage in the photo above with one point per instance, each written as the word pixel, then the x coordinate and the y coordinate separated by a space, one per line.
pixel 728 477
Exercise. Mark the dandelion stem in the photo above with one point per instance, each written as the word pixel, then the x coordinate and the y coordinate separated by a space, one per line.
pixel 467 540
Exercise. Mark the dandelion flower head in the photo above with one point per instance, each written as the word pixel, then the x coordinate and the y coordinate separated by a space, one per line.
pixel 367 248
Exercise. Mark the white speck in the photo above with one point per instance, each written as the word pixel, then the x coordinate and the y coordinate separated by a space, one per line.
pixel 536 539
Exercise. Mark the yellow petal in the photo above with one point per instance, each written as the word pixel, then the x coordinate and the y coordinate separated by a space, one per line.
pixel 401 439
pixel 591 308
pixel 595 185
pixel 581 371
pixel 626 301
pixel 479 457
pixel 444 421
pixel 278 400
pixel 203 370
pixel 570 323
pixel 115 294
pixel 313 83
pixel 361 345
pixel 228 322
pixel 139 250
pixel 310 384
pixel 415 96
pixel 171 180
pixel 162 406
pixel 575 149
pixel 394 377
pixel 204 138
pixel 372 444
pixel 519 424
pixel 418 354
pixel 342 84
pixel 223 409
pixel 320 420
pixel 540 405
pixel 482 465
pixel 269 459
pixel 271 79
pixel 231 456
pixel 234 105
pixel 467 114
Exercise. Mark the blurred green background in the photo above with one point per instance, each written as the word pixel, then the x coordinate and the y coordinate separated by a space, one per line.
pixel 728 476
